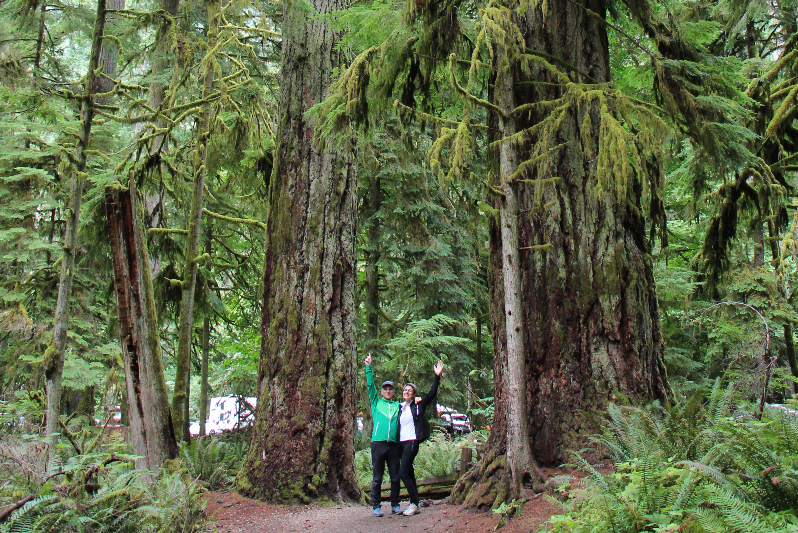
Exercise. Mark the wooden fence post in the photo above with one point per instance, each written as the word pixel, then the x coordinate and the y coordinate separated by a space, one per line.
pixel 465 460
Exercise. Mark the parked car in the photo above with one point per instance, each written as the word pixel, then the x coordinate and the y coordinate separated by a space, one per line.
pixel 456 423
pixel 227 413
pixel 112 420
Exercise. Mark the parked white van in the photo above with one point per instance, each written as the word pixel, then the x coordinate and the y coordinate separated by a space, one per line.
pixel 227 413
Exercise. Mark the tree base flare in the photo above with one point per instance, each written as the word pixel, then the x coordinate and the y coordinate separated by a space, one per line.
pixel 487 485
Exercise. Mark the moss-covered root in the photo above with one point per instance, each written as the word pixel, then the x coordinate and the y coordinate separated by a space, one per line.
pixel 485 486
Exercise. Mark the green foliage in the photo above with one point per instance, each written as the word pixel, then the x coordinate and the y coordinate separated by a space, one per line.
pixel 126 502
pixel 417 348
pixel 212 461
pixel 438 456
pixel 90 484
pixel 694 467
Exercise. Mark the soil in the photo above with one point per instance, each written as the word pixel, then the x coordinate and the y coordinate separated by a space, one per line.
pixel 229 512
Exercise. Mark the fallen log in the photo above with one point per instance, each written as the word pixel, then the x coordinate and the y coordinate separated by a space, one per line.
pixel 440 480
pixel 6 513
pixel 434 492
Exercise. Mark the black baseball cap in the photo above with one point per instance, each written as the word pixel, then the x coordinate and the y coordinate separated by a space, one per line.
pixel 386 383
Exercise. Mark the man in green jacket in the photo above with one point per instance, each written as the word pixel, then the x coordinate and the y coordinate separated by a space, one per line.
pixel 384 440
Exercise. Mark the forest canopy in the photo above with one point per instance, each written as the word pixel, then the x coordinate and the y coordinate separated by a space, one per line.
pixel 585 208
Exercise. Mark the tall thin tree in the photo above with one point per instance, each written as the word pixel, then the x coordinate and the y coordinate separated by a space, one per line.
pixel 74 165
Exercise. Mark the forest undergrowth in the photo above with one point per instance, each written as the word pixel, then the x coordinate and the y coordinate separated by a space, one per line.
pixel 706 464
pixel 90 484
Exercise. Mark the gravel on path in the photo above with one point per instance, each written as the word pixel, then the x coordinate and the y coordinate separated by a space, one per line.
pixel 232 513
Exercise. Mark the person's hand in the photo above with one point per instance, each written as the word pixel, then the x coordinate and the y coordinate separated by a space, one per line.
pixel 418 399
pixel 438 368
pixel 368 360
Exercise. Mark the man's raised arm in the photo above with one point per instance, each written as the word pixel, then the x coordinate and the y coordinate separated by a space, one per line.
pixel 373 393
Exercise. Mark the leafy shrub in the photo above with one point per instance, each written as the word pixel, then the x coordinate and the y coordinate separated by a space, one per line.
pixel 90 484
pixel 212 461
pixel 124 500
pixel 694 467
pixel 438 456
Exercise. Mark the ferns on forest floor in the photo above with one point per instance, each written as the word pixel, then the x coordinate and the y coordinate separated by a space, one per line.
pixel 101 490
pixel 698 466
pixel 212 461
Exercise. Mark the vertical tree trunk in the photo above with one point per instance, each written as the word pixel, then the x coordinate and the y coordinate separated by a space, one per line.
pixel 206 334
pixel 39 43
pixel 519 456
pixel 591 315
pixel 374 202
pixel 147 399
pixel 183 356
pixel 303 441
pixel 590 322
pixel 158 87
pixel 54 355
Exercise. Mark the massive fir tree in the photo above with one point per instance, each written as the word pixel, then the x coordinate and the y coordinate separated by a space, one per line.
pixel 575 167
pixel 303 441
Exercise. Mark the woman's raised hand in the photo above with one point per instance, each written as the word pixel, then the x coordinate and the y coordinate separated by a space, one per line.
pixel 438 368
pixel 367 362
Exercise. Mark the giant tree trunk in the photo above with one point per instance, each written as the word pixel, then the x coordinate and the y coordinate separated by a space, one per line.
pixel 303 441
pixel 591 315
pixel 180 396
pixel 151 432
pixel 590 319
pixel 54 355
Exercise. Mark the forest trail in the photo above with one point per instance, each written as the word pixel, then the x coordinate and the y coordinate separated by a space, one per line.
pixel 232 513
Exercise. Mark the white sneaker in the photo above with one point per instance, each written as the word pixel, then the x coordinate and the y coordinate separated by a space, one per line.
pixel 411 510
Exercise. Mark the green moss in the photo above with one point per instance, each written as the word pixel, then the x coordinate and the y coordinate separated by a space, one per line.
pixel 51 357
pixel 292 319
pixel 293 492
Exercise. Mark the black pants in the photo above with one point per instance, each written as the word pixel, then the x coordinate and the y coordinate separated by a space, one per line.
pixel 407 473
pixel 384 452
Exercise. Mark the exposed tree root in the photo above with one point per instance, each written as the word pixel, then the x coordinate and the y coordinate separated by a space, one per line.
pixel 485 486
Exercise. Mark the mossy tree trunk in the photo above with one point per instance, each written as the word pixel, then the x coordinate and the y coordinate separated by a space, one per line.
pixel 590 321
pixel 373 202
pixel 180 396
pixel 147 399
pixel 591 314
pixel 206 347
pixel 519 459
pixel 303 440
pixel 75 170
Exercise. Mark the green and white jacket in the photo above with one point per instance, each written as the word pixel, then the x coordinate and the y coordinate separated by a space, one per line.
pixel 384 412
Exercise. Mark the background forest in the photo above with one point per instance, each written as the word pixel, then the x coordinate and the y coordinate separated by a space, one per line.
pixel 594 200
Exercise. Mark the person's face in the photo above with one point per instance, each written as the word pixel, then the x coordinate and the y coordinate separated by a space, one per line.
pixel 387 392
pixel 408 393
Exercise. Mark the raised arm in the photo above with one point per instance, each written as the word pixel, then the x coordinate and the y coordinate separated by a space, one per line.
pixel 433 391
pixel 373 393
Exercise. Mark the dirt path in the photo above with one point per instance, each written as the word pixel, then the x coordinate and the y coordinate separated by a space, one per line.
pixel 231 513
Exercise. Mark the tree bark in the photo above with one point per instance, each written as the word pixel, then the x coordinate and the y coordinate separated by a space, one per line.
pixel 374 200
pixel 180 396
pixel 151 433
pixel 374 203
pixel 590 322
pixel 54 355
pixel 206 334
pixel 519 456
pixel 591 314
pixel 303 440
